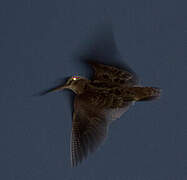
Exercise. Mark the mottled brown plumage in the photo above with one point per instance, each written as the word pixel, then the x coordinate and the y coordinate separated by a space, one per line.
pixel 98 102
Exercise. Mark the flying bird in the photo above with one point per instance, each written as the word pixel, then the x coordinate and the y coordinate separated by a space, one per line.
pixel 98 102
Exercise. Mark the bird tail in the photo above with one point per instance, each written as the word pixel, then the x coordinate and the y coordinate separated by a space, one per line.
pixel 146 93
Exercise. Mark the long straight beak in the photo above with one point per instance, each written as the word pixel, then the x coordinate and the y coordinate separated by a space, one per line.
pixel 57 88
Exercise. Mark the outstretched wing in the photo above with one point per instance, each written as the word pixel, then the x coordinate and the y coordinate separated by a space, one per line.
pixel 110 74
pixel 89 129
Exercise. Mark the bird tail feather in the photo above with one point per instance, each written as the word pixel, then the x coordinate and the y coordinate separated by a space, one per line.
pixel 146 93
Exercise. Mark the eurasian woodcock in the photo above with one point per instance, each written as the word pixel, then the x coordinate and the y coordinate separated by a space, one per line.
pixel 98 102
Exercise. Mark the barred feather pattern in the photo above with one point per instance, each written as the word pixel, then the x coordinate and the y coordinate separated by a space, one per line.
pixel 106 73
pixel 89 130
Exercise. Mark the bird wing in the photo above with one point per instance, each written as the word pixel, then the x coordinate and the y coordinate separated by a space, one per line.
pixel 115 113
pixel 89 129
pixel 110 74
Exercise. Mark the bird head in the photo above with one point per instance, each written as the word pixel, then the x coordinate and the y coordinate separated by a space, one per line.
pixel 74 83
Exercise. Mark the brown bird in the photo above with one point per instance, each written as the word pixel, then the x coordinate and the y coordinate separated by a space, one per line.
pixel 98 102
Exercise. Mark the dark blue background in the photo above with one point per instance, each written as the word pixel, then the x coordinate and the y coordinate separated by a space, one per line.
pixel 39 43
